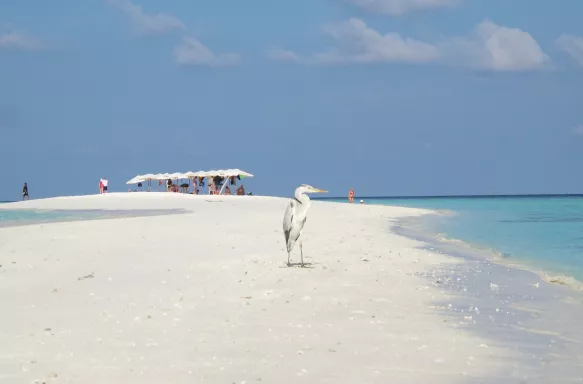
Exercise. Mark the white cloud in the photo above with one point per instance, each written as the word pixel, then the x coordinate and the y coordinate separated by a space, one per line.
pixel 151 24
pixel 573 45
pixel 490 47
pixel 497 48
pixel 361 44
pixel 191 52
pixel 358 43
pixel 578 129
pixel 400 7
pixel 283 55
pixel 13 40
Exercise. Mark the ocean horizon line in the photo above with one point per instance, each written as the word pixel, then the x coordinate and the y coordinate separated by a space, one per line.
pixel 453 196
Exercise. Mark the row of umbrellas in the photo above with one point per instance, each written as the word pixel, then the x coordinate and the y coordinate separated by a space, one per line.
pixel 190 175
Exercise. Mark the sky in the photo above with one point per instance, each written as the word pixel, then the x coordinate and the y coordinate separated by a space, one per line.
pixel 390 97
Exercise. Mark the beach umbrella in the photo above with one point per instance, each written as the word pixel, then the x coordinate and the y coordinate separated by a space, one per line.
pixel 177 175
pixel 136 180
pixel 242 174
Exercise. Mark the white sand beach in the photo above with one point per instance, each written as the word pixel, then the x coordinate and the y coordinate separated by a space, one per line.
pixel 206 297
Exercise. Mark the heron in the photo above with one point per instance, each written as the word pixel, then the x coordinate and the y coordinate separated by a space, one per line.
pixel 295 217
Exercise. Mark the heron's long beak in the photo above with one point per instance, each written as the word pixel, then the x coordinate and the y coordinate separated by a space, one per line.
pixel 316 190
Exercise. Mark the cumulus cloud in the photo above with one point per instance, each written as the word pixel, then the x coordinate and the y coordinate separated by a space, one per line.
pixel 150 24
pixel 191 52
pixel 400 7
pixel 361 44
pixel 573 46
pixel 490 47
pixel 13 40
pixel 496 47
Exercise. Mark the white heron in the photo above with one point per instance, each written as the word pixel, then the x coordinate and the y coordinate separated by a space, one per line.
pixel 295 217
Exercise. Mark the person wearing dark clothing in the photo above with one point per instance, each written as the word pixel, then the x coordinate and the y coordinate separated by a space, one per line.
pixel 25 192
pixel 218 181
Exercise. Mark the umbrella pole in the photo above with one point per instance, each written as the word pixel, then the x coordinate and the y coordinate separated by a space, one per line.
pixel 224 185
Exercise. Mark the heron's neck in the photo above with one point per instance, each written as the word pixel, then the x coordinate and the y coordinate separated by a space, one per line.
pixel 304 199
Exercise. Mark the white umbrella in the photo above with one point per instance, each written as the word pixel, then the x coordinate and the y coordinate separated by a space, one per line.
pixel 242 173
pixel 136 180
pixel 177 175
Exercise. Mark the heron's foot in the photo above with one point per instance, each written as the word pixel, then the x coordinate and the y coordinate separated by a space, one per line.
pixel 298 265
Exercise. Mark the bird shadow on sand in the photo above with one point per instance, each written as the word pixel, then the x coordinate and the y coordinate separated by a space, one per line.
pixel 299 265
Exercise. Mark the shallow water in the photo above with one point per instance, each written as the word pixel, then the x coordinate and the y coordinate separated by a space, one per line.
pixel 18 217
pixel 537 323
pixel 545 231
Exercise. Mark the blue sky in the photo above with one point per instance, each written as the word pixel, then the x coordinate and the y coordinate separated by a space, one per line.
pixel 391 97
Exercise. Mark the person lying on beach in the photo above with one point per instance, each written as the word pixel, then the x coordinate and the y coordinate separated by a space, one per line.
pixel 241 190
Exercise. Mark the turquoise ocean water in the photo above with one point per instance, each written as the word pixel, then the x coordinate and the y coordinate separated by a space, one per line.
pixel 543 231
pixel 22 217
pixel 17 217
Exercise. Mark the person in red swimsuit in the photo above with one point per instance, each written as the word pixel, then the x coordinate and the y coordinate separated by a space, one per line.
pixel 351 196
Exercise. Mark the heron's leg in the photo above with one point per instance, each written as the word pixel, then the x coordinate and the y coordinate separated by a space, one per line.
pixel 302 252
pixel 288 256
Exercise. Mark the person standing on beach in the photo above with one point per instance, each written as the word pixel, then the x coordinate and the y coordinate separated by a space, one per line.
pixel 25 192
pixel 104 183
pixel 351 196
pixel 100 186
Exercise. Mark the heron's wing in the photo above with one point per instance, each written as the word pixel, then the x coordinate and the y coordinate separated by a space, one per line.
pixel 293 222
pixel 288 218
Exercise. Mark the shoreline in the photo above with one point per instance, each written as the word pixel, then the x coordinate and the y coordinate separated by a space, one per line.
pixel 401 227
pixel 438 240
pixel 205 296
pixel 535 306
pixel 473 251
pixel 433 239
